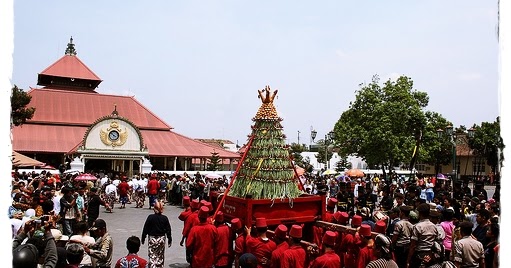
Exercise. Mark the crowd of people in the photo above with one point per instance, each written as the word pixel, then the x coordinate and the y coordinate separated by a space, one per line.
pixel 424 222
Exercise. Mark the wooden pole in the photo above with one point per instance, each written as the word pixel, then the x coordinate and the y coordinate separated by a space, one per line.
pixel 234 176
pixel 296 174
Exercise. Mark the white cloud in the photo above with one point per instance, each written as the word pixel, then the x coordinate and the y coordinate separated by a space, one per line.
pixel 469 76
pixel 340 53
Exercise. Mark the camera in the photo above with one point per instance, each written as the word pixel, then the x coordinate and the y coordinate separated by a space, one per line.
pixel 42 219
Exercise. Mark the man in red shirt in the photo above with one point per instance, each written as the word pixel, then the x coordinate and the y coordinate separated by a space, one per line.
pixel 187 209
pixel 280 239
pixel 123 190
pixel 329 259
pixel 365 255
pixel 294 256
pixel 191 220
pixel 223 247
pixel 153 186
pixel 261 246
pixel 239 241
pixel 201 242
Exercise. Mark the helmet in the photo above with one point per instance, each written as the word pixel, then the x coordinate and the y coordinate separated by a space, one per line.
pixel 25 256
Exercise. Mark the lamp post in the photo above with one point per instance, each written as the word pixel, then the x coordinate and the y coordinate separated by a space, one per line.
pixel 453 140
pixel 328 138
pixel 313 136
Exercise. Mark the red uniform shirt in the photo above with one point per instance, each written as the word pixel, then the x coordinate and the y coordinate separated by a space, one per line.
pixel 201 242
pixel 190 221
pixel 152 187
pixel 293 257
pixel 223 248
pixel 276 255
pixel 239 245
pixel 183 215
pixel 349 250
pixel 365 256
pixel 123 188
pixel 327 260
pixel 262 249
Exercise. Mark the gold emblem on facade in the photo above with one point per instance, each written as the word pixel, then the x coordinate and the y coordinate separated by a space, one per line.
pixel 113 136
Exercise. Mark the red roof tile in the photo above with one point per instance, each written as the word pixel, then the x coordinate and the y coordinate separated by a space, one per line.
pixel 160 143
pixel 72 67
pixel 46 138
pixel 62 139
pixel 83 108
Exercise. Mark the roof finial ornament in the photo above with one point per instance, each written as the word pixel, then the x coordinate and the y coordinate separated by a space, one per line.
pixel 114 112
pixel 70 50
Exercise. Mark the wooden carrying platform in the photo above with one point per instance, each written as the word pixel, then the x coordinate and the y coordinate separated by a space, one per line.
pixel 301 210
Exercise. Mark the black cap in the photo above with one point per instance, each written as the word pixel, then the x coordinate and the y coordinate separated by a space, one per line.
pixel 98 224
pixel 405 208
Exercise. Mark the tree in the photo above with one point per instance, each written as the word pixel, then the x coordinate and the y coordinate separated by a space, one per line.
pixel 433 150
pixel 324 148
pixel 214 162
pixel 383 123
pixel 296 151
pixel 267 171
pixel 343 164
pixel 19 111
pixel 487 143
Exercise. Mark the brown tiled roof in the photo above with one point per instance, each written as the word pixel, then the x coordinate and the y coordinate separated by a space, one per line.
pixel 62 118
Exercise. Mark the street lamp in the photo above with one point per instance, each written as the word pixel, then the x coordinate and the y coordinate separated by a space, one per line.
pixel 453 139
pixel 313 136
pixel 328 138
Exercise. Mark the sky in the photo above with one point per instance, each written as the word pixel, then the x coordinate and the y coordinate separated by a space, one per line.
pixel 198 64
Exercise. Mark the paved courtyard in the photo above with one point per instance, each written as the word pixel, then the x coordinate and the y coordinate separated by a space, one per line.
pixel 123 223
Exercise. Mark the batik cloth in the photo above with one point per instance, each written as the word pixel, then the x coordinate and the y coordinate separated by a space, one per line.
pixel 156 251
pixel 140 198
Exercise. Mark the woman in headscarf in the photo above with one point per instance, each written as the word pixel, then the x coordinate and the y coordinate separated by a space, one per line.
pixel 382 250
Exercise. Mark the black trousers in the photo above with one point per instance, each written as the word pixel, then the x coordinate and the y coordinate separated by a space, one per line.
pixel 401 254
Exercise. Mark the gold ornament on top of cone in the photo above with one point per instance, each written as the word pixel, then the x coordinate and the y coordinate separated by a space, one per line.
pixel 267 110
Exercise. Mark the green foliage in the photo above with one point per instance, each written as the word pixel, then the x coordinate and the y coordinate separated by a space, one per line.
pixel 382 124
pixel 267 171
pixel 433 150
pixel 488 143
pixel 324 149
pixel 343 165
pixel 214 162
pixel 19 111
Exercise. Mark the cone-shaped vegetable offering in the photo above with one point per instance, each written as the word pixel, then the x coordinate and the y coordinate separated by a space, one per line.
pixel 267 171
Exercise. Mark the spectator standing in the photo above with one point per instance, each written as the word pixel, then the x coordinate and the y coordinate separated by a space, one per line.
pixel 82 237
pixel 93 206
pixel 69 210
pixel 424 234
pixel 103 248
pixel 157 227
pixel 467 251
